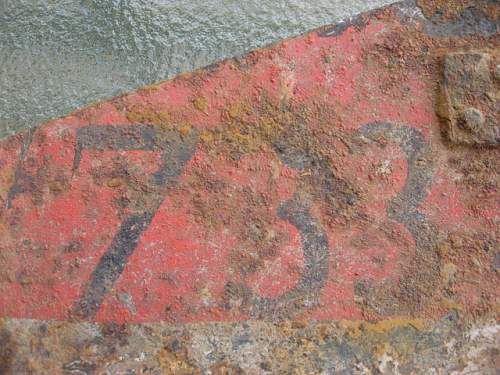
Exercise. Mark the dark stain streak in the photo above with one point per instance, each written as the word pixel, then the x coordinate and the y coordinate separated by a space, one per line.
pixel 471 22
pixel 7 351
pixel 339 28
pixel 79 367
pixel 114 138
pixel 301 156
pixel 19 175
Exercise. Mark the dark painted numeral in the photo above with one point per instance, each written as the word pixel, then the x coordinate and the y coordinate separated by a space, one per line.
pixel 404 208
pixel 176 151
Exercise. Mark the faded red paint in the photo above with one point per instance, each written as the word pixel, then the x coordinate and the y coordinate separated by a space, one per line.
pixel 180 267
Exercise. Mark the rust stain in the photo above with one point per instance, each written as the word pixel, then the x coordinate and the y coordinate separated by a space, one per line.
pixel 308 180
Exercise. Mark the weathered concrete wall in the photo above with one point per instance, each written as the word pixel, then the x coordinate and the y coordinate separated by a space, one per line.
pixel 302 209
pixel 399 346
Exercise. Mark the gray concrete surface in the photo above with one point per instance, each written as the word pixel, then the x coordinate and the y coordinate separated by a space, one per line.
pixel 59 55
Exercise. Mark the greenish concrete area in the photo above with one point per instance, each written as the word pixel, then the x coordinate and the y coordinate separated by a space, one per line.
pixel 59 55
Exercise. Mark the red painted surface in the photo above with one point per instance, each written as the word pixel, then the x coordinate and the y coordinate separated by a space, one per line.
pixel 180 268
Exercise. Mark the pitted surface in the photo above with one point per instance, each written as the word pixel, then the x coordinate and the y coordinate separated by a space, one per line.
pixel 297 209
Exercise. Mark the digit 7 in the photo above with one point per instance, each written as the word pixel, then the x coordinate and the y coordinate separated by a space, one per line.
pixel 176 151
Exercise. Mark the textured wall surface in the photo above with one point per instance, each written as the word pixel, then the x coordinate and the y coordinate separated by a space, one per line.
pixel 327 205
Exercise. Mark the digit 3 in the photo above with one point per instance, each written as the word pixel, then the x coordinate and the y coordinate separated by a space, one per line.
pixel 386 298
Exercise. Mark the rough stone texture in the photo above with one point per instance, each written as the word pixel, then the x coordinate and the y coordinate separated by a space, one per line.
pixel 297 210
pixel 471 98
pixel 398 346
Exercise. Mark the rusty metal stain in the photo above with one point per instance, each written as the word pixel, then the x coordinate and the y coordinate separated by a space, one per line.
pixel 313 182
pixel 471 98
pixel 307 181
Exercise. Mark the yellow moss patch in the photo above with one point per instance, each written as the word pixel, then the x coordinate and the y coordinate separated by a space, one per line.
pixel 185 129
pixel 114 182
pixel 448 272
pixel 449 304
pixel 237 110
pixel 175 363
pixel 6 180
pixel 4 232
pixel 164 120
pixel 55 186
pixel 143 115
pixel 248 129
pixel 356 328
pixel 390 324
pixel 201 104
pixel 149 88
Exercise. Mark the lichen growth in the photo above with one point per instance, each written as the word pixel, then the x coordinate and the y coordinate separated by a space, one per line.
pixel 201 104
